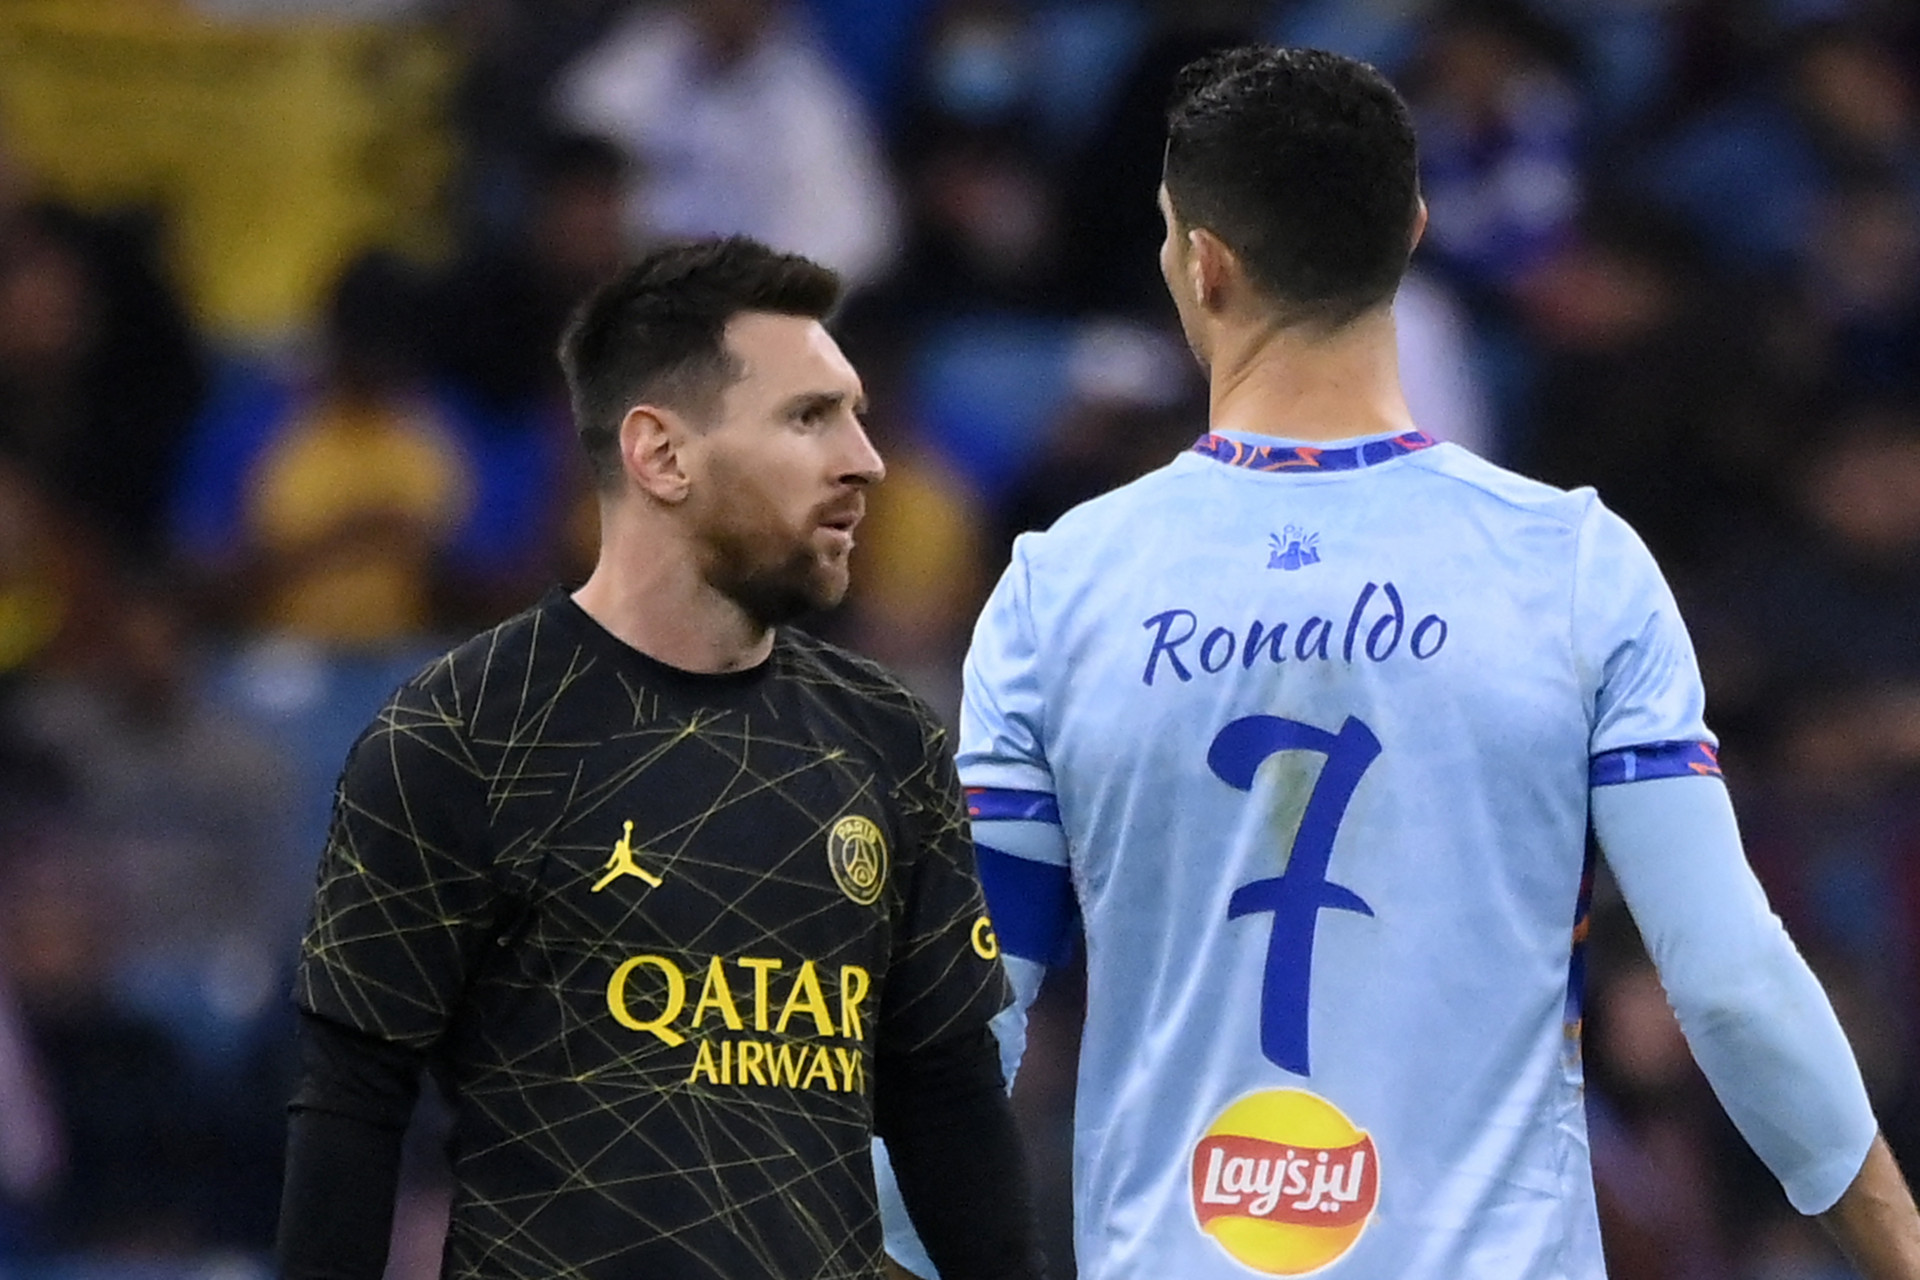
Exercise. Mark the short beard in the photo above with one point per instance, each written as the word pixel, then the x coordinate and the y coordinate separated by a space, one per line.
pixel 772 595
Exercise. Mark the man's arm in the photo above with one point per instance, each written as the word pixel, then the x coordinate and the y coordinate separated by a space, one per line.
pixel 1756 1018
pixel 944 1114
pixel 1754 1015
pixel 1019 843
pixel 347 1120
pixel 1874 1220
pixel 946 982
pixel 403 906
pixel 1023 870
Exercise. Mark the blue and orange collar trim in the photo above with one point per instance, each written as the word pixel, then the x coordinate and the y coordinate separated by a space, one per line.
pixel 1305 457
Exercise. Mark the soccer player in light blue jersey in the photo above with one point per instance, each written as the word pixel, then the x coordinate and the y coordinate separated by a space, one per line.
pixel 1309 728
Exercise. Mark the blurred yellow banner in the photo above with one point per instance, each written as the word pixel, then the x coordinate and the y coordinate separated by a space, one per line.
pixel 275 150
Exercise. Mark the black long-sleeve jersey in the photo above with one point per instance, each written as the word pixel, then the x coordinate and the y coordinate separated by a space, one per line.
pixel 651 930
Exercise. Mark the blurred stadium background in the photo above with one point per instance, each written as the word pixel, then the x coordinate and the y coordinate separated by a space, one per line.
pixel 279 283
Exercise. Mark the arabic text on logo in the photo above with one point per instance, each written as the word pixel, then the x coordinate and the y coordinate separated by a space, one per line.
pixel 1285 1182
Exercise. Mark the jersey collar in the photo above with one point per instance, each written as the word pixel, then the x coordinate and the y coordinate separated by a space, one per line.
pixel 1307 457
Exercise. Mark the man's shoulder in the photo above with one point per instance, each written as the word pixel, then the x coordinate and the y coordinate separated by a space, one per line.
pixel 1118 513
pixel 1472 478
pixel 451 686
pixel 855 684
pixel 1164 498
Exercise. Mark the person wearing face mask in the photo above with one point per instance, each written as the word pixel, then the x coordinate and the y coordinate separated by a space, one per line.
pixel 737 124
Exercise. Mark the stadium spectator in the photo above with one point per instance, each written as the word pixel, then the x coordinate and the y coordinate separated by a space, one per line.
pixel 1814 615
pixel 510 53
pixel 183 807
pixel 1108 260
pixel 1657 1140
pixel 118 1101
pixel 1647 385
pixel 1500 143
pixel 983 228
pixel 1750 171
pixel 1449 391
pixel 101 371
pixel 330 511
pixel 494 315
pixel 1133 404
pixel 492 322
pixel 1856 299
pixel 736 123
pixel 167 857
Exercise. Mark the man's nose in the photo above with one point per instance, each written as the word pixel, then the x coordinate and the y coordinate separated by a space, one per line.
pixel 863 465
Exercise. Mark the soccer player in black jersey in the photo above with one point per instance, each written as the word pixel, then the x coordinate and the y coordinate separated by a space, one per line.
pixel 677 903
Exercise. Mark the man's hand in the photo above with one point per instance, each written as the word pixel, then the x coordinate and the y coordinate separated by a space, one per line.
pixel 1875 1222
pixel 897 1272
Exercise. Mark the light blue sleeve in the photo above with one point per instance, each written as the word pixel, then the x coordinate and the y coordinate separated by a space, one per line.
pixel 1632 646
pixel 1003 699
pixel 1755 1016
pixel 1017 832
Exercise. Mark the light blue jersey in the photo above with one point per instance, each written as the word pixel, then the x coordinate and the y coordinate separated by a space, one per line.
pixel 1319 727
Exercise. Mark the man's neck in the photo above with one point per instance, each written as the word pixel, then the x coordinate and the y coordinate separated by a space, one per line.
pixel 649 594
pixel 1301 384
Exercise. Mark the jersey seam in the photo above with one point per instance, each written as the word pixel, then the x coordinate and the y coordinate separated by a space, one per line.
pixel 1575 523
pixel 1030 635
pixel 1589 706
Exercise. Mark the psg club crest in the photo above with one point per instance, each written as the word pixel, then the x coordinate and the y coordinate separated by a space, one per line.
pixel 857 854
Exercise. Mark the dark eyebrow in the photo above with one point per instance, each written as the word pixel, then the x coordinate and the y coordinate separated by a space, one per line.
pixel 812 401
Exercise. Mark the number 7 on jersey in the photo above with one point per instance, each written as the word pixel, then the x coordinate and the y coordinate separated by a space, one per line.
pixel 1298 895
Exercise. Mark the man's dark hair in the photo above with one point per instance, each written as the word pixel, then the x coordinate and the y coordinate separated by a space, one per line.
pixel 657 332
pixel 1304 164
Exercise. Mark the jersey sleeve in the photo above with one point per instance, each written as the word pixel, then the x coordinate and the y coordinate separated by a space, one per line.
pixel 1648 704
pixel 1002 709
pixel 405 901
pixel 1754 1014
pixel 945 976
pixel 1020 839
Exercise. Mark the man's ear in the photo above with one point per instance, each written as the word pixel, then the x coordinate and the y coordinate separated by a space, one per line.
pixel 652 441
pixel 1213 269
pixel 1419 223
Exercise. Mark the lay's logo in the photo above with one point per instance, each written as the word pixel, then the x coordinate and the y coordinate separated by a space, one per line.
pixel 1285 1182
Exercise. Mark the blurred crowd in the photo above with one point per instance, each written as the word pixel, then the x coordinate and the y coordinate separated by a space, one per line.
pixel 1674 253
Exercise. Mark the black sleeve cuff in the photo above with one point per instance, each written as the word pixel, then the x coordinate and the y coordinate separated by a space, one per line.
pixel 956 1153
pixel 349 1073
pixel 348 1118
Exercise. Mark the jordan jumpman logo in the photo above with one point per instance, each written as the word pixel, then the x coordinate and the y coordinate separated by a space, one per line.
pixel 622 864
